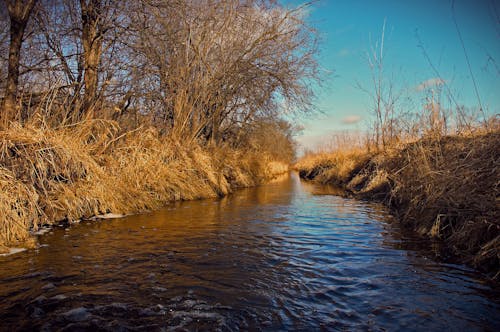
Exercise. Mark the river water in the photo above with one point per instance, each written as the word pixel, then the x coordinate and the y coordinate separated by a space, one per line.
pixel 283 256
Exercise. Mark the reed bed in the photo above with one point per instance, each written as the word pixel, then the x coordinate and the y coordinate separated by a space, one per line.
pixel 442 187
pixel 51 175
pixel 337 167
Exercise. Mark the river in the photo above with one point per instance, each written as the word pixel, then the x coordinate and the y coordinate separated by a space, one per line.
pixel 283 256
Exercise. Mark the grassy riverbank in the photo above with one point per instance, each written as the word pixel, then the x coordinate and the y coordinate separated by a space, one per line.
pixel 90 168
pixel 144 106
pixel 445 188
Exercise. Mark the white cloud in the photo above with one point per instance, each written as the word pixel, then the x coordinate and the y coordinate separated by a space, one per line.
pixel 435 81
pixel 343 52
pixel 351 119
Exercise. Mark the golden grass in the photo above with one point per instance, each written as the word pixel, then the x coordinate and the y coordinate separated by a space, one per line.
pixel 335 167
pixel 444 187
pixel 449 188
pixel 50 175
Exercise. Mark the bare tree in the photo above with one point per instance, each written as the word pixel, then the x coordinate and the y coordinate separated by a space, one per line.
pixel 198 70
pixel 19 14
pixel 384 96
pixel 92 34
pixel 215 66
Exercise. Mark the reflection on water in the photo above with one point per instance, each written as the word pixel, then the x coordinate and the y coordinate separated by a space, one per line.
pixel 283 256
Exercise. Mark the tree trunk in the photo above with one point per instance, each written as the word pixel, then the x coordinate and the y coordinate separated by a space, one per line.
pixel 92 42
pixel 19 13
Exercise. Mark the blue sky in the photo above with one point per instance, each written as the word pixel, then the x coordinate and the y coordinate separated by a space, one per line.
pixel 348 28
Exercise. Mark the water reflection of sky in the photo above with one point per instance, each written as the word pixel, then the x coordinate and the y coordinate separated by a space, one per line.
pixel 283 256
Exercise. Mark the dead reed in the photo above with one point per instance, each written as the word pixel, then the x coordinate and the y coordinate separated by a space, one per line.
pixel 441 187
pixel 90 168
pixel 449 189
pixel 336 167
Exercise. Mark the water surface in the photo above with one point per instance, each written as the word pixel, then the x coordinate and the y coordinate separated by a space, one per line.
pixel 284 256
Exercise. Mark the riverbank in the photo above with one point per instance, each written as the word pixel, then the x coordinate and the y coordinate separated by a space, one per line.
pixel 221 264
pixel 93 167
pixel 445 188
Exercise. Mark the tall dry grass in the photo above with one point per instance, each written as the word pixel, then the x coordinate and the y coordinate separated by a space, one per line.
pixel 442 187
pixel 336 167
pixel 449 189
pixel 90 168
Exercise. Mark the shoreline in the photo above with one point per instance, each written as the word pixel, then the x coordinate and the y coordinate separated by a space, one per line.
pixel 31 241
pixel 48 176
pixel 442 190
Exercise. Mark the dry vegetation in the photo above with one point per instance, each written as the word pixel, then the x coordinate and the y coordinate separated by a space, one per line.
pixel 437 167
pixel 123 106
pixel 90 168
pixel 442 187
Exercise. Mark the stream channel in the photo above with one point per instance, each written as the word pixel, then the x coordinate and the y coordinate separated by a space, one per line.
pixel 284 256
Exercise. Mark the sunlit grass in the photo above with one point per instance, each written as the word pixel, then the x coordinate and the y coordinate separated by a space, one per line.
pixel 48 175
pixel 441 186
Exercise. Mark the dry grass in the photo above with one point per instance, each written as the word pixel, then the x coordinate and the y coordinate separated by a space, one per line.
pixel 50 175
pixel 449 188
pixel 445 187
pixel 335 167
pixel 18 206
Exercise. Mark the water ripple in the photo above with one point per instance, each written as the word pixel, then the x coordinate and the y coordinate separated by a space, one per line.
pixel 275 257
